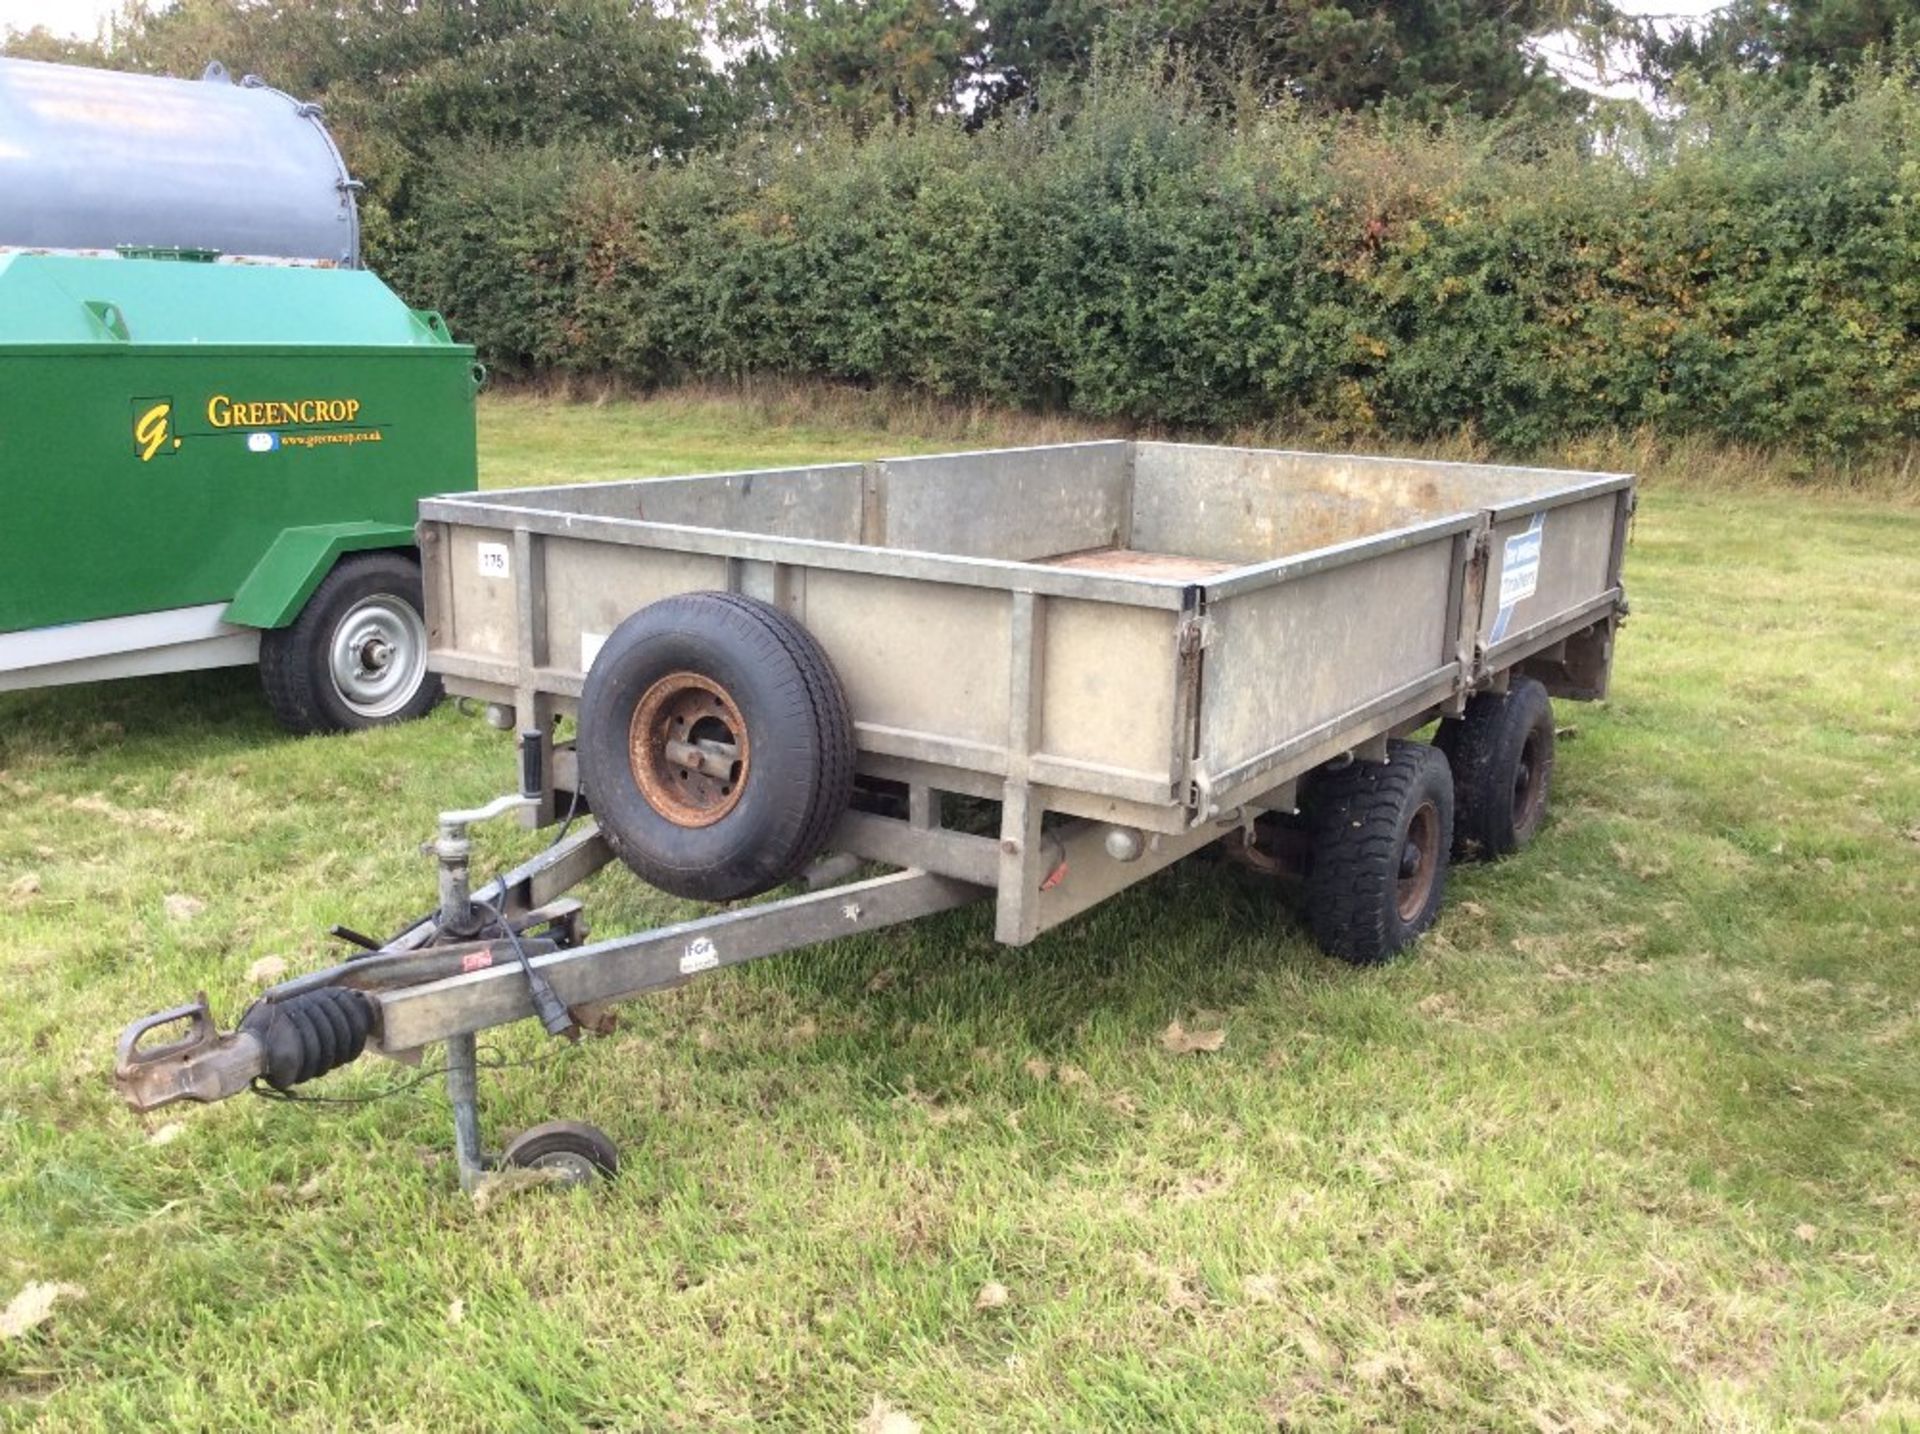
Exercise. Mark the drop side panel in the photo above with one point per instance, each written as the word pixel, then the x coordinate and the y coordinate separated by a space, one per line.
pixel 1018 505
pixel 925 665
pixel 591 588
pixel 1547 568
pixel 1107 706
pixel 820 503
pixel 1307 657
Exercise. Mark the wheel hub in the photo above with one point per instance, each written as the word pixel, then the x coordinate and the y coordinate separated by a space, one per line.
pixel 687 746
pixel 1419 862
pixel 1529 786
pixel 570 1167
pixel 378 655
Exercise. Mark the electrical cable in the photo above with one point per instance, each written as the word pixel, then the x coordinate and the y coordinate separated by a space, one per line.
pixel 487 1059
pixel 547 1005
pixel 573 806
pixel 552 1012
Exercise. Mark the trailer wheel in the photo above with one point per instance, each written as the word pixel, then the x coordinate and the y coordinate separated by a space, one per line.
pixel 1501 752
pixel 356 656
pixel 1381 835
pixel 578 1153
pixel 715 745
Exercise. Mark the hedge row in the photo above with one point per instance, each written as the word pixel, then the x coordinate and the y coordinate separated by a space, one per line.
pixel 1755 277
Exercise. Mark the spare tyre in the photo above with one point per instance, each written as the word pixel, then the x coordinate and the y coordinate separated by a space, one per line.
pixel 715 745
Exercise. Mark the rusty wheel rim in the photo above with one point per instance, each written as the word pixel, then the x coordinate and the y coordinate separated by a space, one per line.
pixel 687 745
pixel 1529 785
pixel 1419 862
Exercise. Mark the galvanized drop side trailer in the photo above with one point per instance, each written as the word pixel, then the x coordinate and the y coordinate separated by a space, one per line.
pixel 1110 655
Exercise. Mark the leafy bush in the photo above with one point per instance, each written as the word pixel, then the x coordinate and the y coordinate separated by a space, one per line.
pixel 1750 273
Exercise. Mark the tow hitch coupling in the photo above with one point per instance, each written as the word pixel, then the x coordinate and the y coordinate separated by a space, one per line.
pixel 284 1042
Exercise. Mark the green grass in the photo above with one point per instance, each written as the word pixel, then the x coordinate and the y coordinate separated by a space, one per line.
pixel 1630 1141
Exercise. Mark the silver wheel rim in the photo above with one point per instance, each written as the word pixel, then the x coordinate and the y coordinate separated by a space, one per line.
pixel 572 1167
pixel 378 655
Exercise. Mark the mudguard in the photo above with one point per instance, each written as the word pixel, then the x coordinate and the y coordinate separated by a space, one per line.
pixel 292 567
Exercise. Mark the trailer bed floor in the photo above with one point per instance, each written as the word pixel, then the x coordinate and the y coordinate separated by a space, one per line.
pixel 1139 564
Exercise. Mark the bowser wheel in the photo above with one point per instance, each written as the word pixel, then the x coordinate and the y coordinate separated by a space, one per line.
pixel 356 656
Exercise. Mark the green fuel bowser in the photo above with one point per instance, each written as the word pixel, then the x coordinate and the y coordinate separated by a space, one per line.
pixel 214 426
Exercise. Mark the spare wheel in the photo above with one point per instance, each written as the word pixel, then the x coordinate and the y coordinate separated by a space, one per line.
pixel 715 745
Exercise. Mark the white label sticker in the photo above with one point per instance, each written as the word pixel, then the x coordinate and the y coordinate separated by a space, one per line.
pixel 590 645
pixel 1520 563
pixel 495 562
pixel 701 956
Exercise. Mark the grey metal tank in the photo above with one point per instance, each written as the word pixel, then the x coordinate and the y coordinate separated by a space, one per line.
pixel 98 159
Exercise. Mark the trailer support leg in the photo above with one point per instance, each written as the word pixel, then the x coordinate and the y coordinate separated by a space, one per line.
pixel 463 1091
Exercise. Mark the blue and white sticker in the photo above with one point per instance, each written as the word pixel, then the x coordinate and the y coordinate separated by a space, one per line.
pixel 1519 572
pixel 262 442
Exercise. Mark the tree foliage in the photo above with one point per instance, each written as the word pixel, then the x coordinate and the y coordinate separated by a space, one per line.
pixel 634 75
pixel 1755 277
pixel 1793 44
pixel 854 62
pixel 1421 57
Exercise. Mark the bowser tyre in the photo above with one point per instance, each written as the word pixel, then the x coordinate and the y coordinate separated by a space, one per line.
pixel 715 745
pixel 356 656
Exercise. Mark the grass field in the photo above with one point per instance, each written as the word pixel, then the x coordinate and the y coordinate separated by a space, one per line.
pixel 1632 1140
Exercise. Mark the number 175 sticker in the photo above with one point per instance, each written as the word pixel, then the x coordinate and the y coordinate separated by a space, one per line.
pixel 495 561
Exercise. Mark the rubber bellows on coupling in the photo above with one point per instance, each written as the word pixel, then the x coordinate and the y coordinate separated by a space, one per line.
pixel 310 1034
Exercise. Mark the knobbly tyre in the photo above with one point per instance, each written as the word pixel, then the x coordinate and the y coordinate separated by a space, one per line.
pixel 1029 677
